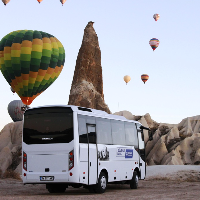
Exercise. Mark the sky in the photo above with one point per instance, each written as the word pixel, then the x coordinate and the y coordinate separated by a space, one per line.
pixel 124 28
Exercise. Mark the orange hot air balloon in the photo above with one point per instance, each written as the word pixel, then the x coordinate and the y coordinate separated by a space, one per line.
pixel 63 1
pixel 144 77
pixel 39 1
pixel 5 2
pixel 127 79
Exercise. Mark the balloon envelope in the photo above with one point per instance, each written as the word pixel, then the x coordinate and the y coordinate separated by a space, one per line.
pixel 63 1
pixel 154 43
pixel 14 110
pixel 127 78
pixel 30 61
pixel 144 77
pixel 5 1
pixel 39 1
pixel 156 17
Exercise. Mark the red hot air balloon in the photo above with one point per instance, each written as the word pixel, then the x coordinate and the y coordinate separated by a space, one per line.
pixel 39 1
pixel 144 77
pixel 154 43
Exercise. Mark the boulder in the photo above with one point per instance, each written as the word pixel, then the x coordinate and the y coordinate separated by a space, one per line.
pixel 151 123
pixel 189 126
pixel 197 157
pixel 10 145
pixel 128 115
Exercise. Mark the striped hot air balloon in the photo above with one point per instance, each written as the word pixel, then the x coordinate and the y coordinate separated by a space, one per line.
pixel 30 61
pixel 154 43
pixel 156 17
pixel 5 2
pixel 144 77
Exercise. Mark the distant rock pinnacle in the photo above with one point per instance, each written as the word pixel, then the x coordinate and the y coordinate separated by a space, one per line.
pixel 87 84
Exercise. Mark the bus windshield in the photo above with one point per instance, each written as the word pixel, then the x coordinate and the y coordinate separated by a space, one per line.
pixel 48 125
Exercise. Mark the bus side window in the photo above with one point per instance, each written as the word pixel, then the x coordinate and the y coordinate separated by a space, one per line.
pixel 131 134
pixel 118 132
pixel 103 128
pixel 82 130
pixel 92 129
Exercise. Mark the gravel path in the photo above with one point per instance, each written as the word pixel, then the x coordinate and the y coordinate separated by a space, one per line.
pixel 163 182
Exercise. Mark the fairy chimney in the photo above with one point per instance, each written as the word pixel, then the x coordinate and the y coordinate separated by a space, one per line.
pixel 87 84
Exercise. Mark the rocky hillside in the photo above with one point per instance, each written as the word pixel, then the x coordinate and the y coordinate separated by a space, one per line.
pixel 172 144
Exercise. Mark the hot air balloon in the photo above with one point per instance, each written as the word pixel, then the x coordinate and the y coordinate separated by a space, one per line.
pixel 5 2
pixel 154 43
pixel 127 79
pixel 63 1
pixel 39 1
pixel 15 111
pixel 156 17
pixel 144 77
pixel 30 61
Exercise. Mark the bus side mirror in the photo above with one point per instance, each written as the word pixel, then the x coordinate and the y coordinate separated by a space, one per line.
pixel 150 135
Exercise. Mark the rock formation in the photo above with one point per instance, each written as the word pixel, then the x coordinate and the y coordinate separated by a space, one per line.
pixel 87 84
pixel 172 144
pixel 10 147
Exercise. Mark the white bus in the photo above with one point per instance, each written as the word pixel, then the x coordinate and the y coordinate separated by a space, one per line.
pixel 74 146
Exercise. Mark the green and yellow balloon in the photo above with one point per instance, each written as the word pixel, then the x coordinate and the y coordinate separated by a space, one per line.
pixel 30 61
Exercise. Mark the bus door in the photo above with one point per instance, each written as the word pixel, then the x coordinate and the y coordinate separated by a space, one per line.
pixel 92 154
pixel 142 157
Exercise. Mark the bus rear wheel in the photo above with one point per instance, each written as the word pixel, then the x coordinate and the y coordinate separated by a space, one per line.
pixel 102 183
pixel 134 181
pixel 56 188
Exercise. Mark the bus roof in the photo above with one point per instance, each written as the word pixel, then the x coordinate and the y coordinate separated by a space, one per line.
pixel 90 112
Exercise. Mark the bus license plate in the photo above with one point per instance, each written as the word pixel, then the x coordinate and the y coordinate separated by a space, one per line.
pixel 46 178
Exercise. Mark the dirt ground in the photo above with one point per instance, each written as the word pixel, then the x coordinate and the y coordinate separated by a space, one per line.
pixel 148 189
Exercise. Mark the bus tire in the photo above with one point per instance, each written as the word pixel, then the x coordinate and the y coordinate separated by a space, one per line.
pixel 76 185
pixel 134 181
pixel 91 189
pixel 56 188
pixel 102 183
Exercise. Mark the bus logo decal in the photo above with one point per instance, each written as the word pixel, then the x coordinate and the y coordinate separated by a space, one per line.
pixel 124 152
pixel 129 153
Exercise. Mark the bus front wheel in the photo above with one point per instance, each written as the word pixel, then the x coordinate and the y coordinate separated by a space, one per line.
pixel 134 181
pixel 102 183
